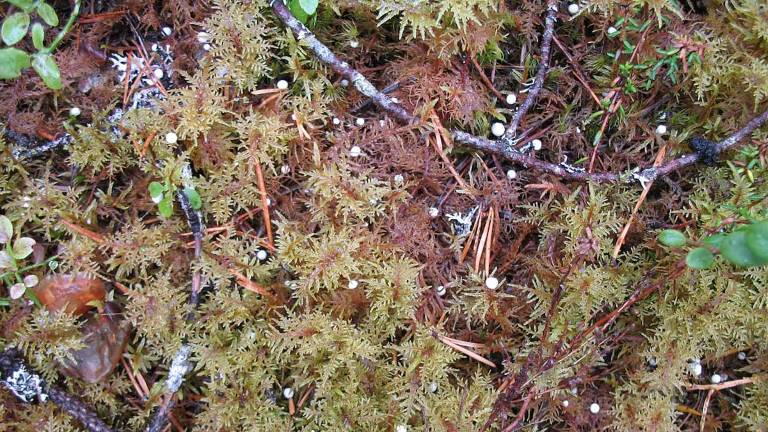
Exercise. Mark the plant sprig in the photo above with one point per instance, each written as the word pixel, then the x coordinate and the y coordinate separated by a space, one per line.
pixel 16 26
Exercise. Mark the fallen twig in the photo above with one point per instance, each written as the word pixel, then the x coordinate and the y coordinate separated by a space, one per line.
pixel 546 44
pixel 29 387
pixel 563 170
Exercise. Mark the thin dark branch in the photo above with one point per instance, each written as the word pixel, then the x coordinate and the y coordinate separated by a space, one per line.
pixel 181 363
pixel 546 44
pixel 29 387
pixel 499 147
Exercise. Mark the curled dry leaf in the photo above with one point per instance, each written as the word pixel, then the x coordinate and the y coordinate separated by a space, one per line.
pixel 71 293
pixel 105 337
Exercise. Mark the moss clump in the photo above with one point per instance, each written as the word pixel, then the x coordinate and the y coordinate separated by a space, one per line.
pixel 344 265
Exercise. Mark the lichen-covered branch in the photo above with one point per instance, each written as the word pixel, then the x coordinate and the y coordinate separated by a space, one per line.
pixel 500 147
pixel 29 387
pixel 546 43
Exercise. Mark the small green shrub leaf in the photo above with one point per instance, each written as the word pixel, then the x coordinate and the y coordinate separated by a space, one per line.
pixel 48 14
pixel 715 240
pixel 165 207
pixel 735 250
pixel 12 61
pixel 46 67
pixel 22 248
pixel 17 290
pixel 25 5
pixel 308 6
pixel 15 27
pixel 156 190
pixel 38 35
pixel 6 262
pixel 757 239
pixel 6 229
pixel 699 258
pixel 298 11
pixel 672 238
pixel 194 198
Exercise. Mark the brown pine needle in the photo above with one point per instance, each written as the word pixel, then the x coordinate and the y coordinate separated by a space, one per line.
pixel 265 206
pixel 465 351
pixel 98 238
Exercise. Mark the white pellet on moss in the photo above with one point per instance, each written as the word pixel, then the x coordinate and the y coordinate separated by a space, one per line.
pixel 573 8
pixel 492 283
pixel 288 392
pixel 594 408
pixel 511 174
pixel 497 129
pixel 434 212
pixel 352 284
pixel 262 255
pixel 511 99
pixel 171 138
pixel 440 290
pixel 355 151
pixel 536 144
pixel 360 121
pixel 661 129
pixel 203 37
pixel 282 85
pixel 695 369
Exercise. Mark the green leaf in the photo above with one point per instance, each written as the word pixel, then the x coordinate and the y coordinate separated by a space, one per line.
pixel 699 258
pixel 12 61
pixel 6 229
pixel 48 14
pixel 734 249
pixel 22 248
pixel 38 35
pixel 715 240
pixel 6 262
pixel 194 198
pixel 309 6
pixel 672 238
pixel 165 207
pixel 156 191
pixel 298 11
pixel 757 239
pixel 15 27
pixel 45 66
pixel 25 5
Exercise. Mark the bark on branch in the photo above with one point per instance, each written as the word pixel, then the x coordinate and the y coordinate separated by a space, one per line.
pixel 29 387
pixel 500 147
pixel 510 134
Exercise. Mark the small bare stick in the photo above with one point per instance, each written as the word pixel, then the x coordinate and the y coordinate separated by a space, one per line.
pixel 500 147
pixel 546 45
pixel 29 387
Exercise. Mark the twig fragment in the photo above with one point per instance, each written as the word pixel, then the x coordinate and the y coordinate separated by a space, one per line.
pixel 29 387
pixel 546 44
pixel 564 171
